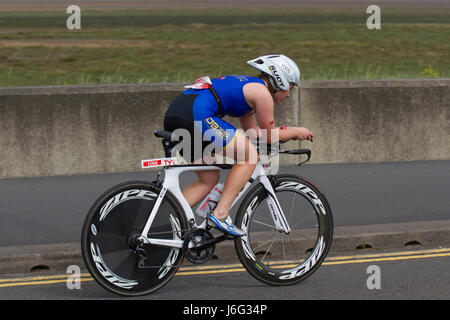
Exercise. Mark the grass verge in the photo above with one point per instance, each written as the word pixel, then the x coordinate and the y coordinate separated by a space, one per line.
pixel 130 46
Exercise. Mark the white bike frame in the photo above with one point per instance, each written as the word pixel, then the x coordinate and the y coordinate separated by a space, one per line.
pixel 171 183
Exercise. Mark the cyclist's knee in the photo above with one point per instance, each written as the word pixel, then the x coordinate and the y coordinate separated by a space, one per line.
pixel 209 178
pixel 243 151
pixel 246 152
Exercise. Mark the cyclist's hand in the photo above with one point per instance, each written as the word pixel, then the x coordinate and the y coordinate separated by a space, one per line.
pixel 304 134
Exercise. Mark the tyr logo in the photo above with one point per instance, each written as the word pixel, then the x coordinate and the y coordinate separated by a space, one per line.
pixel 169 162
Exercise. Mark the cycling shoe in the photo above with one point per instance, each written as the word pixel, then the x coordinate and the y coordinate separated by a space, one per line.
pixel 226 226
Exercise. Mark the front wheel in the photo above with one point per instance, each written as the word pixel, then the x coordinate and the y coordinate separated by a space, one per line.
pixel 274 257
pixel 109 243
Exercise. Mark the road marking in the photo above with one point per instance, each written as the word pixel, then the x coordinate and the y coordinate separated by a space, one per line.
pixel 37 278
pixel 424 256
pixel 204 270
pixel 325 263
pixel 390 254
pixel 33 283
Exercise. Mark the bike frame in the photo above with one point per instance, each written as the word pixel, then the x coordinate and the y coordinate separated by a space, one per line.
pixel 171 183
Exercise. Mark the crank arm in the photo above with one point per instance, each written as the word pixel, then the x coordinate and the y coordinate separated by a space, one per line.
pixel 212 242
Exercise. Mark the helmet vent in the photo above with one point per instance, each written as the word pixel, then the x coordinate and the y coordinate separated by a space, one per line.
pixel 259 61
pixel 274 56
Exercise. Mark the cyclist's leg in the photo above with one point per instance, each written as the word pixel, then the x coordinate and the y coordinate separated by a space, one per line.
pixel 180 116
pixel 198 190
pixel 246 156
pixel 235 145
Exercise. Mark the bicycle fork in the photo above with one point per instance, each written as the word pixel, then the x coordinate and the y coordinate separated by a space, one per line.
pixel 272 202
pixel 275 209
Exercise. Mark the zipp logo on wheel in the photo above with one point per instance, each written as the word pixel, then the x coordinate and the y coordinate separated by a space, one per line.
pixel 305 190
pixel 108 274
pixel 308 264
pixel 123 196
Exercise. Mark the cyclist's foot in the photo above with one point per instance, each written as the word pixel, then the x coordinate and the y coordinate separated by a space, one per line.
pixel 225 225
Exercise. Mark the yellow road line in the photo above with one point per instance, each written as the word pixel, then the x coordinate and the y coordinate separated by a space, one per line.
pixel 204 270
pixel 389 254
pixel 197 268
pixel 33 283
pixel 423 256
pixel 238 267
pixel 217 270
pixel 42 278
pixel 325 263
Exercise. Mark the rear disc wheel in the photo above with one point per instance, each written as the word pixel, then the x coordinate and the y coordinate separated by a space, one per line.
pixel 112 254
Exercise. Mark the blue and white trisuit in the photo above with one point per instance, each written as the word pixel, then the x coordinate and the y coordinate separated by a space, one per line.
pixel 197 110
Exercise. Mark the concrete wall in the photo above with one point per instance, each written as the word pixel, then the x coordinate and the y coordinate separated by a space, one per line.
pixel 109 128
pixel 80 129
pixel 370 121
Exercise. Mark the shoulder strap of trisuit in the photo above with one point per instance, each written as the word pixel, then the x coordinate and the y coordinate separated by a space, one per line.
pixel 206 83
pixel 220 113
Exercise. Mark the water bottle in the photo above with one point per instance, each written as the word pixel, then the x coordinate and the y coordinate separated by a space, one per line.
pixel 210 201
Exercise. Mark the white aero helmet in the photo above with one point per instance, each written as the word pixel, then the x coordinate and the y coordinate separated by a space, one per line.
pixel 280 69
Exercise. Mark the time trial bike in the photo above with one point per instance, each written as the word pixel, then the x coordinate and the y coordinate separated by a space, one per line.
pixel 137 233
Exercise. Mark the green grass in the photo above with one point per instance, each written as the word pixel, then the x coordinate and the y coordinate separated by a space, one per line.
pixel 181 45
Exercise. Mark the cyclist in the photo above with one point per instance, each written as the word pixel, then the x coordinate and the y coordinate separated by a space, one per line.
pixel 251 99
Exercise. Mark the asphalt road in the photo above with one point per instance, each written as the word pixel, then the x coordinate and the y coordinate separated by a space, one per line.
pixel 416 274
pixel 52 209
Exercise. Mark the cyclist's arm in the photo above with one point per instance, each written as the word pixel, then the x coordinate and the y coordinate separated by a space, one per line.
pixel 259 98
pixel 249 125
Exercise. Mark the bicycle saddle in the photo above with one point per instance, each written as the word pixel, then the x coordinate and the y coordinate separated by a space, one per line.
pixel 163 134
pixel 167 143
